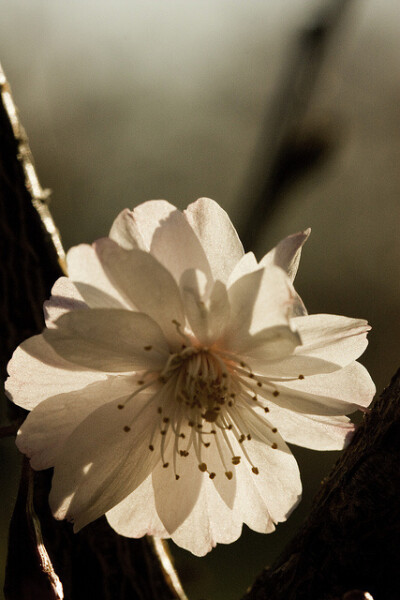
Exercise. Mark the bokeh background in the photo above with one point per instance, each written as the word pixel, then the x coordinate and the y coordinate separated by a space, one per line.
pixel 131 100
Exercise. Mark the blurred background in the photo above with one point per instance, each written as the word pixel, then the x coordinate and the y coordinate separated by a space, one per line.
pixel 126 101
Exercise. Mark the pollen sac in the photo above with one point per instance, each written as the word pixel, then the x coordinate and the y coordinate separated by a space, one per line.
pixel 211 416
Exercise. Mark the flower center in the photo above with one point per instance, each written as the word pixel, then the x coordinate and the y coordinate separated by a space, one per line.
pixel 204 397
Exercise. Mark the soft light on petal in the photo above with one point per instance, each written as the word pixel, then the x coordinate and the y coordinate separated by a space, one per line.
pixel 109 340
pixel 217 236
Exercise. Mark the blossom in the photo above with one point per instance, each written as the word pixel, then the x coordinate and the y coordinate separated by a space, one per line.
pixel 172 372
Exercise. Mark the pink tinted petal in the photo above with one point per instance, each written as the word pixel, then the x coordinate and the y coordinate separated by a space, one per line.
pixel 86 272
pixel 333 338
pixel 287 253
pixel 104 459
pixel 217 236
pixel 64 298
pixel 145 283
pixel 37 372
pixel 311 431
pixel 109 340
pixel 136 515
pixel 51 422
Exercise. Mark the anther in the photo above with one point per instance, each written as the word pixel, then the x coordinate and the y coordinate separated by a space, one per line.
pixel 206 444
pixel 274 446
pixel 147 348
pixel 159 410
pixel 259 383
pixel 184 453
pixel 248 436
pixel 235 460
pixel 140 382
pixel 163 431
pixel 191 424
pixel 151 447
pixel 255 470
pixel 230 403
pixel 120 406
pixel 165 465
pixel 301 376
pixel 203 467
pixel 274 430
pixel 241 439
pixel 266 409
pixel 182 435
pixel 275 393
pixel 229 474
pixel 127 428
pixel 211 475
pixel 176 477
pixel 166 420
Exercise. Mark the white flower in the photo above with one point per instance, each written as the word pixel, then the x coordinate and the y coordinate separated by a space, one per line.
pixel 171 371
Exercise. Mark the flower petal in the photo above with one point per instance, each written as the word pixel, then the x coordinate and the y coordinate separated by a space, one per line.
pixel 46 428
pixel 208 314
pixel 175 498
pixel 145 282
pixel 333 338
pixel 136 515
pixel 269 344
pixel 86 272
pixel 135 228
pixel 270 496
pixel 178 248
pixel 105 458
pixel 287 253
pixel 109 340
pixel 64 298
pixel 247 264
pixel 37 372
pixel 311 431
pixel 210 522
pixel 338 393
pixel 217 236
pixel 125 231
pixel 258 300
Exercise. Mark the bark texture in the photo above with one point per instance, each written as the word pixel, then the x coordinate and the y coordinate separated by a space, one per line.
pixel 350 541
pixel 96 563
